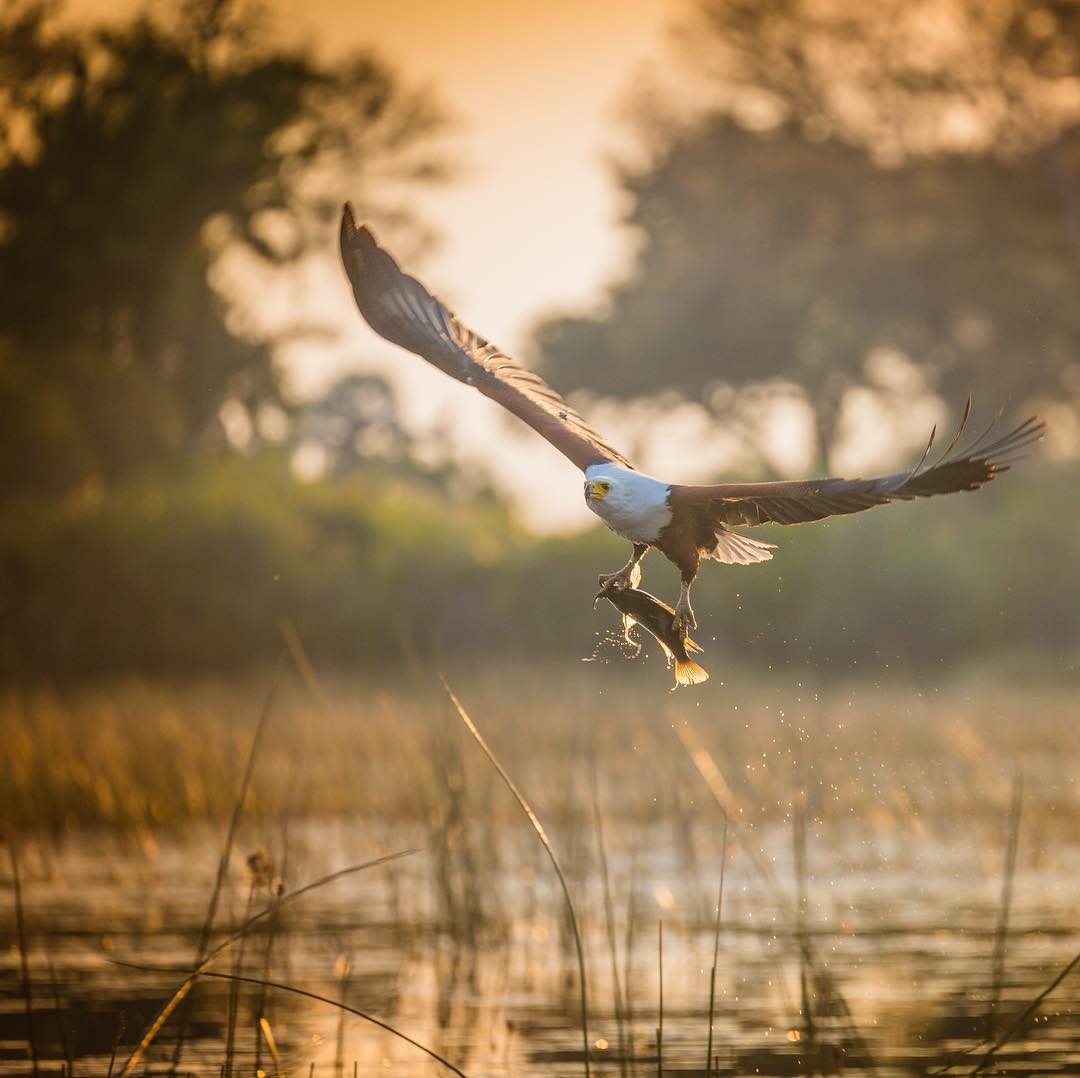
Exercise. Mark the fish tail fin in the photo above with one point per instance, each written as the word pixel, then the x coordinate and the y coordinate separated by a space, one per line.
pixel 688 672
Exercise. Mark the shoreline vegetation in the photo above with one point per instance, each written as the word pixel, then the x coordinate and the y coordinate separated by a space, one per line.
pixel 193 574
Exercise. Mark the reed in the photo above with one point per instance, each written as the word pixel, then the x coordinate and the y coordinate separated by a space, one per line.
pixel 798 823
pixel 271 933
pixel 121 1021
pixel 234 990
pixel 538 827
pixel 1018 1022
pixel 271 1043
pixel 628 950
pixel 345 963
pixel 66 1037
pixel 1001 933
pixel 24 959
pixel 226 853
pixel 716 954
pixel 660 1020
pixel 609 929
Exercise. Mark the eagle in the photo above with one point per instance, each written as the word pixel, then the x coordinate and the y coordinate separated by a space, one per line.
pixel 687 524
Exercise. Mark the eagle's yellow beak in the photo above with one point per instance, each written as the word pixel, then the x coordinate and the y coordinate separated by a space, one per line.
pixel 596 489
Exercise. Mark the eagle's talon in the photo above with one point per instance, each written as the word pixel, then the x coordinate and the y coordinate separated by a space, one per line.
pixel 684 619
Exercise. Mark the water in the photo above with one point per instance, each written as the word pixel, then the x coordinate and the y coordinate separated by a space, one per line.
pixel 467 951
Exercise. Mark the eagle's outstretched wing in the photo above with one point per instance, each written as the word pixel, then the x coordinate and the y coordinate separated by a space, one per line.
pixel 803 501
pixel 401 309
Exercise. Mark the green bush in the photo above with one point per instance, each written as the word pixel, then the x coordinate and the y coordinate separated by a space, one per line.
pixel 196 571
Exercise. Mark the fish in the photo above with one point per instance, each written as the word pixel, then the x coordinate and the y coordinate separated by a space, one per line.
pixel 658 619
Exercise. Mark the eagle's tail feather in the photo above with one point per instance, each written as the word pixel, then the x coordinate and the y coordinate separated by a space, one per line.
pixel 734 548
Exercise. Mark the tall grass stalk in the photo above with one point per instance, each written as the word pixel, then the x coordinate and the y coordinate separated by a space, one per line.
pixel 24 960
pixel 234 990
pixel 798 824
pixel 303 665
pixel 1002 932
pixel 1018 1022
pixel 716 953
pixel 117 1037
pixel 66 1039
pixel 628 951
pixel 201 970
pixel 271 933
pixel 271 1043
pixel 538 827
pixel 609 922
pixel 660 1020
pixel 227 848
pixel 343 989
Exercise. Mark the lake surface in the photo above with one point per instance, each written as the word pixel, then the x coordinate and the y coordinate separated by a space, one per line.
pixel 894 959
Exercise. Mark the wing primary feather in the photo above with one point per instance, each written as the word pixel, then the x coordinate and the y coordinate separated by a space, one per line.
pixel 973 448
pixel 926 452
pixel 804 501
pixel 401 309
pixel 959 432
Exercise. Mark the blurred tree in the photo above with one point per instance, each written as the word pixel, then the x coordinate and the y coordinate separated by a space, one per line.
pixel 354 423
pixel 131 158
pixel 897 77
pixel 816 225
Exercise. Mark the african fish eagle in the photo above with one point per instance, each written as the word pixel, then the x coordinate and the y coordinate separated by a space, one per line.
pixel 687 524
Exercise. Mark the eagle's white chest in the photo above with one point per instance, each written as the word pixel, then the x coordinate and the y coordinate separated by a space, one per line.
pixel 637 505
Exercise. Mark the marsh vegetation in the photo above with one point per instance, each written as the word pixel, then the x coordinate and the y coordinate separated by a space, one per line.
pixel 863 927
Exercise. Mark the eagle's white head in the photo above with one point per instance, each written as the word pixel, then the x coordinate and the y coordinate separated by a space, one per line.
pixel 632 505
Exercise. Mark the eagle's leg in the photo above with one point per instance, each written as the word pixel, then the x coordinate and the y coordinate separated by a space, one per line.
pixel 684 612
pixel 629 576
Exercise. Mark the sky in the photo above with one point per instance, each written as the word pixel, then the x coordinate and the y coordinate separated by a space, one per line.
pixel 537 93
pixel 531 221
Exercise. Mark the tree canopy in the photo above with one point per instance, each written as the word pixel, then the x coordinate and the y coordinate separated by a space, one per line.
pixel 788 235
pixel 131 157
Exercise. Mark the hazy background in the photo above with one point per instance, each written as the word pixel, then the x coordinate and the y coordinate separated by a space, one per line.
pixel 751 240
pixel 754 240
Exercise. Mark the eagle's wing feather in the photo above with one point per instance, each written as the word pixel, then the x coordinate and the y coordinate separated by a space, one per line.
pixel 802 501
pixel 399 308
